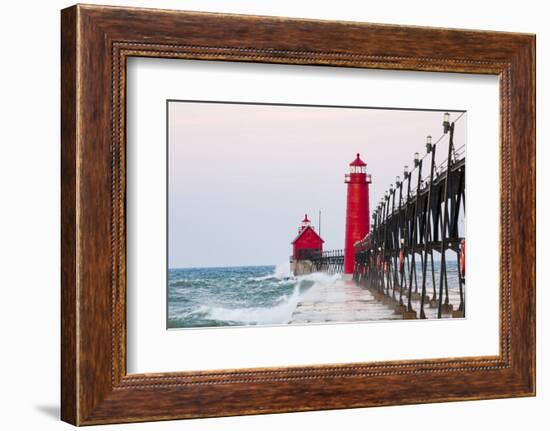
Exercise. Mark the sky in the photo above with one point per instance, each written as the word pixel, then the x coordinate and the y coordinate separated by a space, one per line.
pixel 241 177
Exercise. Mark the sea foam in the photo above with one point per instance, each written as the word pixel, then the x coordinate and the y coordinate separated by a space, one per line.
pixel 277 314
pixel 238 296
pixel 281 312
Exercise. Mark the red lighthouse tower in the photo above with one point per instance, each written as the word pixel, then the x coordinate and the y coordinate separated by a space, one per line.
pixel 357 210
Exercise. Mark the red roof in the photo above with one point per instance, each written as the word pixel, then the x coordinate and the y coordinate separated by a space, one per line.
pixel 358 162
pixel 305 230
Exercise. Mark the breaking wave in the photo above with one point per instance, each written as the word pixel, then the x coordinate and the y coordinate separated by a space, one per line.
pixel 237 296
pixel 279 313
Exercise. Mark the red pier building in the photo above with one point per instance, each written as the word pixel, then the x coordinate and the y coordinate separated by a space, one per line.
pixel 357 210
pixel 308 244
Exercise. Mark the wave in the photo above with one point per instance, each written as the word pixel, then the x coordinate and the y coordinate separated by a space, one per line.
pixel 277 314
pixel 248 301
pixel 281 272
pixel 280 313
pixel 320 277
pixel 263 278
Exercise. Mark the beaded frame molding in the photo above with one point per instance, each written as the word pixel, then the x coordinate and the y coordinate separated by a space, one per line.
pixel 95 43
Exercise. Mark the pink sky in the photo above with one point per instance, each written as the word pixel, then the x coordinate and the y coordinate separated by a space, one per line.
pixel 241 177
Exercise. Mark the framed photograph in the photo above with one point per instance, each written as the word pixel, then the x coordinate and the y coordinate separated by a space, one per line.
pixel 354 270
pixel 264 214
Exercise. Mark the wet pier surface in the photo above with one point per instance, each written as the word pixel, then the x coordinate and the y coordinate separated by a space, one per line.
pixel 345 301
pixel 342 301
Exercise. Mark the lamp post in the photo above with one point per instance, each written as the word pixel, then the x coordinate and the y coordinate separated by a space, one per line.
pixel 410 313
pixel 449 128
pixel 401 238
pixel 429 145
pixel 430 149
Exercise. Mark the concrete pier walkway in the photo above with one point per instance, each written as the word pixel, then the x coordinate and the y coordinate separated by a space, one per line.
pixel 341 301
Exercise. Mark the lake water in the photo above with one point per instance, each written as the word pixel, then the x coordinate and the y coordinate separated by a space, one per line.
pixel 252 295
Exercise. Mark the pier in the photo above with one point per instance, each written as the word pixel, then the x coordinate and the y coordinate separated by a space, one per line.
pixel 343 301
pixel 411 263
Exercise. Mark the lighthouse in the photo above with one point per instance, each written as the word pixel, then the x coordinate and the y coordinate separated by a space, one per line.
pixel 306 247
pixel 357 210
